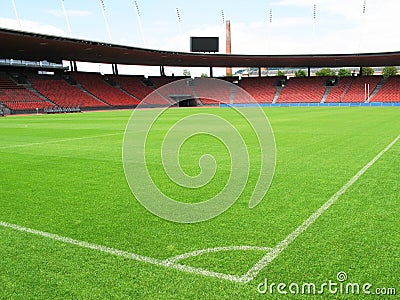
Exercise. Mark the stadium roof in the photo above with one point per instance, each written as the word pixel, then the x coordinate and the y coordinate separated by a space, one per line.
pixel 40 47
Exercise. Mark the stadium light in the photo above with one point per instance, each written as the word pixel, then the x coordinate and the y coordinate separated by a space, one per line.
pixel 361 40
pixel 314 24
pixel 270 16
pixel 178 14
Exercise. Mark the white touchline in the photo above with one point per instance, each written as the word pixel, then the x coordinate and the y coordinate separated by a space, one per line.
pixel 61 140
pixel 171 262
pixel 263 262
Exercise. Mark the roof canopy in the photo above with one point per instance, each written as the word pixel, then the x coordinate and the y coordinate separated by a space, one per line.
pixel 40 47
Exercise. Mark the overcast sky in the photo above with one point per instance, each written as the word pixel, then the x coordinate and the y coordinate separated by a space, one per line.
pixel 340 26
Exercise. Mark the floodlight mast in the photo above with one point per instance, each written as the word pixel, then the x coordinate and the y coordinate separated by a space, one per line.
pixel 140 22
pixel 269 30
pixel 364 9
pixel 178 15
pixel 314 25
pixel 16 14
pixel 66 18
pixel 103 10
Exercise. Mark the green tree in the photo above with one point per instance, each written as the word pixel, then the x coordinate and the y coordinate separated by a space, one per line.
pixel 204 75
pixel 280 73
pixel 326 72
pixel 366 71
pixel 389 71
pixel 344 73
pixel 300 73
pixel 186 72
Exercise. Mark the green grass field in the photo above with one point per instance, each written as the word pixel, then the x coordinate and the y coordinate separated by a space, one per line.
pixel 63 174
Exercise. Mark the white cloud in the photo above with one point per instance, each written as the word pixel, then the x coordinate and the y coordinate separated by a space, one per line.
pixel 31 26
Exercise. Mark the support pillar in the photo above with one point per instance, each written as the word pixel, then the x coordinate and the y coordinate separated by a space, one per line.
pixel 162 71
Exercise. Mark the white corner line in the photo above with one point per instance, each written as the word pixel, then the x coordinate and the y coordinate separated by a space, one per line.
pixel 171 262
pixel 269 257
pixel 125 254
pixel 216 249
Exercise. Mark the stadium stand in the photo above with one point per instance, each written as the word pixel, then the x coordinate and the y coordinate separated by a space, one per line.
pixel 304 90
pixel 171 94
pixel 64 94
pixel 355 92
pixel 339 90
pixel 94 84
pixel 389 92
pixel 133 84
pixel 16 97
pixel 211 92
pixel 60 93
pixel 263 89
pixel 27 105
pixel 159 81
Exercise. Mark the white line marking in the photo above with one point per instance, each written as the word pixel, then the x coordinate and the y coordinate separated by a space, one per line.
pixel 62 140
pixel 216 249
pixel 170 263
pixel 125 254
pixel 253 272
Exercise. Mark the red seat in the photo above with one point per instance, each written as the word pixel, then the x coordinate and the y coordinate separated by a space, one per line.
pixel 389 92
pixel 63 94
pixel 304 90
pixel 263 89
pixel 94 83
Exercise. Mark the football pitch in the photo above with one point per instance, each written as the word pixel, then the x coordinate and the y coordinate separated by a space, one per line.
pixel 70 227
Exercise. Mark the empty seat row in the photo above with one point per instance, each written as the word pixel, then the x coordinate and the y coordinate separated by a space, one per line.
pixel 95 84
pixel 63 94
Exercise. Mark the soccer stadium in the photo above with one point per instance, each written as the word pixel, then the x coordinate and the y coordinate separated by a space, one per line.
pixel 176 150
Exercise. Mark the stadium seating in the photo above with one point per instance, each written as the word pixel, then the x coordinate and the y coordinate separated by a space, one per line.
pixel 46 92
pixel 356 90
pixel 263 89
pixel 304 90
pixel 389 92
pixel 159 81
pixel 10 91
pixel 338 91
pixel 17 97
pixel 211 92
pixel 170 94
pixel 63 94
pixel 94 84
pixel 134 85
pixel 27 105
